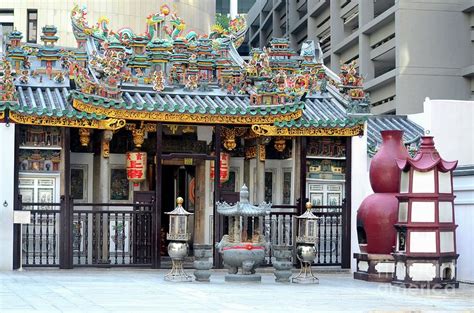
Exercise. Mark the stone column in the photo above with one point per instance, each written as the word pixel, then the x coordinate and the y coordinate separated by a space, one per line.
pixel 103 192
pixel 260 175
pixel 200 202
pixel 7 168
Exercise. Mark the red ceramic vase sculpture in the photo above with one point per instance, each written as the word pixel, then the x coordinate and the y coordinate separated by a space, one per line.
pixel 375 219
pixel 378 212
pixel 384 172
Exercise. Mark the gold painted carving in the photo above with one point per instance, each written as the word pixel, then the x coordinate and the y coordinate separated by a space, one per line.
pixel 151 128
pixel 251 152
pixel 84 136
pixel 138 136
pixel 279 144
pixel 106 138
pixel 173 128
pixel 111 123
pixel 270 130
pixel 106 149
pixel 230 134
pixel 2 115
pixel 176 117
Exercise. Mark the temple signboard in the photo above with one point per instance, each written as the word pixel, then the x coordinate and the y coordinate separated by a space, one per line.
pixel 136 166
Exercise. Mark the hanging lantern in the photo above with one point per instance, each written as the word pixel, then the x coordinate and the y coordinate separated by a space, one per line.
pixel 136 166
pixel 224 168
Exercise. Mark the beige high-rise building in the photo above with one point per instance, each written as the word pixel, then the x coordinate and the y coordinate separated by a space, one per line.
pixel 406 50
pixel 29 16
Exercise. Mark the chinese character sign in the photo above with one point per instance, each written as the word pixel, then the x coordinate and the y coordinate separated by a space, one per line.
pixel 136 166
pixel 224 167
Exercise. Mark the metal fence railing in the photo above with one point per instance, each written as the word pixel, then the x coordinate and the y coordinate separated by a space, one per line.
pixel 112 234
pixel 280 228
pixel 40 238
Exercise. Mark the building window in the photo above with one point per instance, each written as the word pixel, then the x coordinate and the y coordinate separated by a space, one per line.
pixel 6 23
pixel 32 23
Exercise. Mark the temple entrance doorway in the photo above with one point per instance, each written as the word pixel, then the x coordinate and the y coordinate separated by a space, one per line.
pixel 177 181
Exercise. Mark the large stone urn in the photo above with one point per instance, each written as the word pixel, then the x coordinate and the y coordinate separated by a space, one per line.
pixel 244 245
pixel 282 263
pixel 202 262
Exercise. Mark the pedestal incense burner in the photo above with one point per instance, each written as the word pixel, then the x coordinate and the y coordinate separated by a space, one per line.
pixel 244 245
pixel 306 246
pixel 178 247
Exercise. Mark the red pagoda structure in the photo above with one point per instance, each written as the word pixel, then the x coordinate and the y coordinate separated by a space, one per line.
pixel 425 253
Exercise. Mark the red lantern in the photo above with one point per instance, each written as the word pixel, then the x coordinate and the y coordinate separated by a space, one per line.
pixel 224 168
pixel 136 166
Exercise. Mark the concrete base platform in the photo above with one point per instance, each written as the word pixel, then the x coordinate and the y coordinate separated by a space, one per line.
pixel 427 285
pixel 254 278
pixel 124 290
pixel 305 280
pixel 374 267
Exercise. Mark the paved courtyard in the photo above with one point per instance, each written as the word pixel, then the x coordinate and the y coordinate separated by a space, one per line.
pixel 120 290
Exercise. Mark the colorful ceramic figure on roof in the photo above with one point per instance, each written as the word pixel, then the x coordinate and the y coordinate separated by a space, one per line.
pixel 7 87
pixel 158 81
pixel 226 31
pixel 351 86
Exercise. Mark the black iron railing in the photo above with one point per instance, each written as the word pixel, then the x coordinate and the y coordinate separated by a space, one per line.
pixel 280 228
pixel 106 234
pixel 329 245
pixel 40 238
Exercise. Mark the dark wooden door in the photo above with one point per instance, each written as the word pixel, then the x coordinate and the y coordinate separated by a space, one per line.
pixel 142 226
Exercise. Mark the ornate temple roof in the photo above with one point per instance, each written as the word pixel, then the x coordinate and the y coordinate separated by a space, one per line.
pixel 412 132
pixel 427 158
pixel 169 74
pixel 46 101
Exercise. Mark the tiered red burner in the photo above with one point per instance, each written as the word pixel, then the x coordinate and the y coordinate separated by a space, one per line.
pixel 425 254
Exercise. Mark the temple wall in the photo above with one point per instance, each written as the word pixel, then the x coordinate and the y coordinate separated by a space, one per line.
pixel 360 186
pixel 198 15
pixel 7 159
pixel 464 208
pixel 450 122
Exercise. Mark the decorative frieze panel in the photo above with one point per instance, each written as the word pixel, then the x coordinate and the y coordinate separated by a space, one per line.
pixel 326 147
pixel 270 130
pixel 326 169
pixel 178 117
pixel 110 124
pixel 39 160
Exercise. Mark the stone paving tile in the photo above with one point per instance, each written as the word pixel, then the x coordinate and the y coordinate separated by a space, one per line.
pixel 128 290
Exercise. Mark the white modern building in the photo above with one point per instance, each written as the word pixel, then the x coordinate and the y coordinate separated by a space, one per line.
pixel 29 16
pixel 406 50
